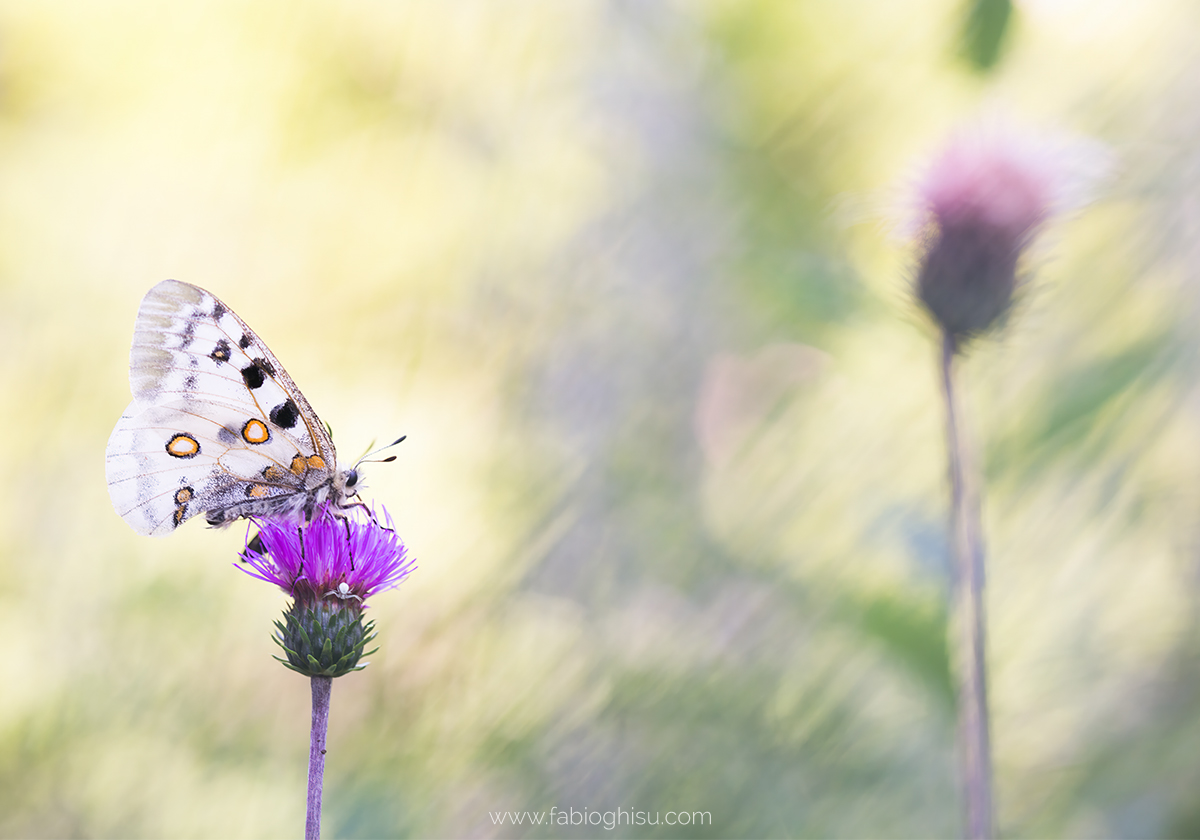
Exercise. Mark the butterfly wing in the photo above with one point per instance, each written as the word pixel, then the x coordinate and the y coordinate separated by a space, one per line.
pixel 170 462
pixel 216 425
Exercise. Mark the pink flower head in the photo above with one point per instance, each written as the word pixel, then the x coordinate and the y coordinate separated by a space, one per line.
pixel 331 558
pixel 982 200
pixel 996 184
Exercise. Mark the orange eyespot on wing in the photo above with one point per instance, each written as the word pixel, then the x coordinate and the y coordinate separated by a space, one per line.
pixel 275 473
pixel 182 496
pixel 316 462
pixel 255 431
pixel 299 465
pixel 257 491
pixel 183 445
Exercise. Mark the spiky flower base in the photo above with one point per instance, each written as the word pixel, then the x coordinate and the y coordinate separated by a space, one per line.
pixel 324 639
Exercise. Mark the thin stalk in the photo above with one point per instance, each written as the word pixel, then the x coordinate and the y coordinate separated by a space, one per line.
pixel 967 626
pixel 322 687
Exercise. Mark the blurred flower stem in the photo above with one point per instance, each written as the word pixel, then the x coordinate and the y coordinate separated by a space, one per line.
pixel 322 688
pixel 967 626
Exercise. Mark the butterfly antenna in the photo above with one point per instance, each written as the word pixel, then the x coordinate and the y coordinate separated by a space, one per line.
pixel 389 459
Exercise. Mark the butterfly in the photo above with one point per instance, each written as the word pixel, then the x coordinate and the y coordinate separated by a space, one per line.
pixel 216 426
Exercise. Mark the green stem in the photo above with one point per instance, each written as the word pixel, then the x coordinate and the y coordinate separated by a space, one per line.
pixel 967 627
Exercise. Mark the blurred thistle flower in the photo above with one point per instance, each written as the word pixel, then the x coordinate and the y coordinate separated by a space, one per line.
pixel 330 567
pixel 982 200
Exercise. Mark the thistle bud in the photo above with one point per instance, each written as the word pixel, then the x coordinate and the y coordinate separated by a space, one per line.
pixel 983 201
pixel 323 639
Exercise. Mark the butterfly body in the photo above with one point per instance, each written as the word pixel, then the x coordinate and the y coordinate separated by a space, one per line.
pixel 216 426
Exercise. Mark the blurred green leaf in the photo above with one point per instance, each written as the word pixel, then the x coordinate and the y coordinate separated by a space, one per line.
pixel 987 23
pixel 1073 409
pixel 914 636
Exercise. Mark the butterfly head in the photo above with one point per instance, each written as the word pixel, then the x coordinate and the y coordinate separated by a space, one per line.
pixel 348 480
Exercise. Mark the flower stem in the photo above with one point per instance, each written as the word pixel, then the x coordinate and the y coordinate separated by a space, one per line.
pixel 967 615
pixel 321 689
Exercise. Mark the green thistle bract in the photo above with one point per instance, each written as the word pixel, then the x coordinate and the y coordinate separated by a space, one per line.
pixel 324 640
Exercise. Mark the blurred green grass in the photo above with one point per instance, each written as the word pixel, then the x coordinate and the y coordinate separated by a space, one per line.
pixel 626 275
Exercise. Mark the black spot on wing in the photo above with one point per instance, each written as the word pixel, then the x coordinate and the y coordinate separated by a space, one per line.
pixel 253 375
pixel 227 436
pixel 285 414
pixel 221 352
pixel 244 341
pixel 256 373
pixel 218 310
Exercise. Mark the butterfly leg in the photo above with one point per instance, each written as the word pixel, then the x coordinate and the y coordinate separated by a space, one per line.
pixel 300 534
pixel 370 513
pixel 256 544
pixel 349 543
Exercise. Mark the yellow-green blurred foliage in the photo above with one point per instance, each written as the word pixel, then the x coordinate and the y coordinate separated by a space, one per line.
pixel 624 274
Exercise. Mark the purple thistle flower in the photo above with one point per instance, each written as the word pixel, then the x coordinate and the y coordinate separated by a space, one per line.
pixel 982 200
pixel 330 566
pixel 330 557
pixel 985 200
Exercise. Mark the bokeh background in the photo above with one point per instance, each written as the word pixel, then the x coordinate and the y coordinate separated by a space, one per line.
pixel 627 275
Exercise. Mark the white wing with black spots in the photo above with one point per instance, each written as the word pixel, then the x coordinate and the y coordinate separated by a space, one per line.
pixel 216 425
